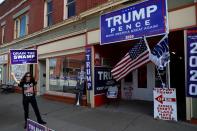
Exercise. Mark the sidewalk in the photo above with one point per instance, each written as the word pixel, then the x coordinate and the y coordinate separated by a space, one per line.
pixel 65 117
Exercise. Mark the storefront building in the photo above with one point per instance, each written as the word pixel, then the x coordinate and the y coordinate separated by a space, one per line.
pixel 3 68
pixel 62 53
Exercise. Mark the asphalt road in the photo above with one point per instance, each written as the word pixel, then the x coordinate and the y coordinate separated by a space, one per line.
pixel 126 116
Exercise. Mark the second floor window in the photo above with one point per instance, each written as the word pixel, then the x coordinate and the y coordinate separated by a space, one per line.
pixel 49 13
pixel 2 34
pixel 71 8
pixel 21 26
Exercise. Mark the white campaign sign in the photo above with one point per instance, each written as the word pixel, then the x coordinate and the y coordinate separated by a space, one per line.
pixel 165 107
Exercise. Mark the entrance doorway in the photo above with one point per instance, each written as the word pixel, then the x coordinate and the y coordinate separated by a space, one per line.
pixel 177 71
pixel 42 76
pixel 139 84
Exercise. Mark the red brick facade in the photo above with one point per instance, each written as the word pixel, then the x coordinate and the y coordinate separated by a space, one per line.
pixel 83 5
pixel 58 11
pixel 36 14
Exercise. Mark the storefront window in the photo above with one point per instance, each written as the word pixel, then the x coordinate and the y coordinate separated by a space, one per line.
pixel 64 72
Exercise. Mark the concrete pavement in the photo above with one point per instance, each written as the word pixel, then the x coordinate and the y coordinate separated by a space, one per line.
pixel 127 116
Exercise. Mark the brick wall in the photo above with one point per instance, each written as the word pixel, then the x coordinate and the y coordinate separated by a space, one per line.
pixel 94 3
pixel 58 9
pixel 5 7
pixel 36 13
pixel 83 5
pixel 8 5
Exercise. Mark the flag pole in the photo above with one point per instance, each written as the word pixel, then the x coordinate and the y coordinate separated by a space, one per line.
pixel 146 44
pixel 168 67
pixel 163 84
pixel 168 74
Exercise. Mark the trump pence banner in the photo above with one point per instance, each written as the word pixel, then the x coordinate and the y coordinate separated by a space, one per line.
pixel 165 107
pixel 23 56
pixel 148 18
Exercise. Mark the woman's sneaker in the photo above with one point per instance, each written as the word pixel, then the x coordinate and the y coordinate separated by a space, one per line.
pixel 25 125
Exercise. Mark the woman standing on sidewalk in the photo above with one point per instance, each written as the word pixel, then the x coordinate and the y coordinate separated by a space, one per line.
pixel 27 84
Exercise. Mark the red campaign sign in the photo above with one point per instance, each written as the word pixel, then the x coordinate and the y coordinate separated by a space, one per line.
pixel 161 99
pixel 165 104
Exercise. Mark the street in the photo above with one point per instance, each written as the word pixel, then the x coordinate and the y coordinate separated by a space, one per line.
pixel 125 116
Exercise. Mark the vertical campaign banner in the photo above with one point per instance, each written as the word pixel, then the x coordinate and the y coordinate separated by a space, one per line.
pixel 148 18
pixel 165 106
pixel 191 48
pixel 34 126
pixel 23 56
pixel 88 58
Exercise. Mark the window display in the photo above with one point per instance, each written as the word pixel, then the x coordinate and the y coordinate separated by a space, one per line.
pixel 64 72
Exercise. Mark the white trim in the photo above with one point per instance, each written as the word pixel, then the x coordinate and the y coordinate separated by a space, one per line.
pixel 167 18
pixel 51 40
pixel 2 34
pixel 61 53
pixel 14 8
pixel 18 29
pixel 3 23
pixel 65 13
pixel 45 14
pixel 188 99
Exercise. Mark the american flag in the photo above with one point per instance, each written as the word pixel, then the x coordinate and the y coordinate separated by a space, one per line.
pixel 136 57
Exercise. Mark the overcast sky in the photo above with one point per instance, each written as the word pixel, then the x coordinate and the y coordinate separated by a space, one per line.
pixel 1 1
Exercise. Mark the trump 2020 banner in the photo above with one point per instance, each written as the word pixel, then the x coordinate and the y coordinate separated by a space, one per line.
pixel 23 56
pixel 165 107
pixel 191 62
pixel 148 18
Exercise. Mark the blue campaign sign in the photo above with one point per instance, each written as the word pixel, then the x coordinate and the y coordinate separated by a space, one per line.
pixel 23 57
pixel 88 68
pixel 103 79
pixel 148 18
pixel 192 62
pixel 34 126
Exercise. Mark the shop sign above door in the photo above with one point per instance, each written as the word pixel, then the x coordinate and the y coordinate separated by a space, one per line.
pixel 148 18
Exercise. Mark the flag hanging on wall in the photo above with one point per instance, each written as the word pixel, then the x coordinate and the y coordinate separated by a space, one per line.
pixel 136 57
pixel 160 55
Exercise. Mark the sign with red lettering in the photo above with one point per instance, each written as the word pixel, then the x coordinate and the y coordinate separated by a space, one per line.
pixel 165 107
